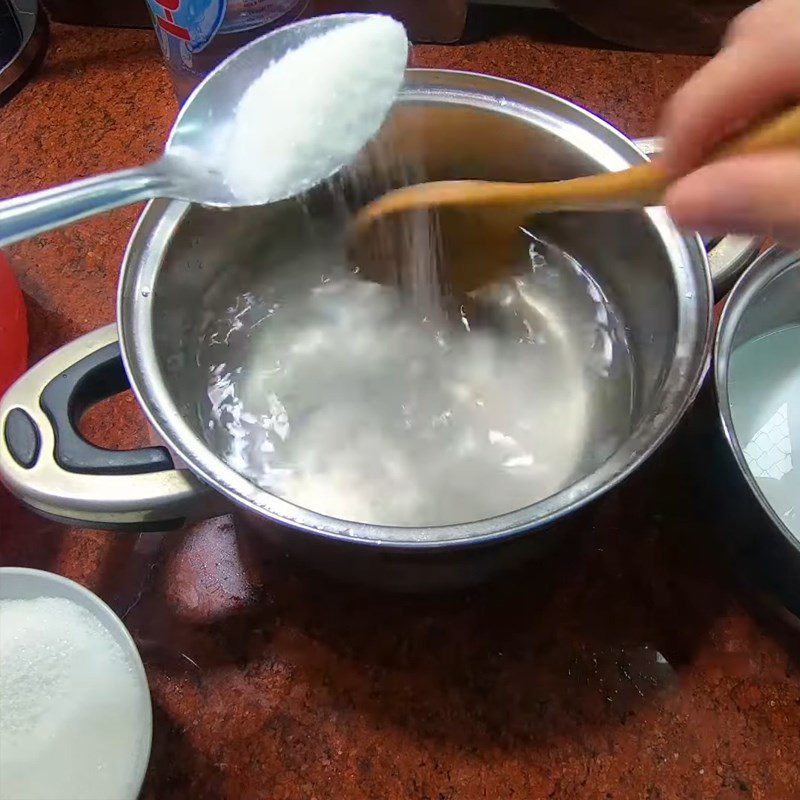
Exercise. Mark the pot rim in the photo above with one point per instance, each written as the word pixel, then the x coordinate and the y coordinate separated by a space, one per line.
pixel 772 263
pixel 685 376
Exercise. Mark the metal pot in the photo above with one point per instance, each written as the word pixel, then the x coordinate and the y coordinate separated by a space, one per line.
pixel 23 41
pixel 457 125
pixel 756 467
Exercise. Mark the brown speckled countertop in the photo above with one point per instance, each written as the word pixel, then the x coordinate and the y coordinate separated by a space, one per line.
pixel 632 668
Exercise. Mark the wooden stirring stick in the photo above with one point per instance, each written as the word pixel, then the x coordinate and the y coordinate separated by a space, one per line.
pixel 499 209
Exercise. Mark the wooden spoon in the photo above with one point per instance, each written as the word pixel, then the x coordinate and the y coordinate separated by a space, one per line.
pixel 479 221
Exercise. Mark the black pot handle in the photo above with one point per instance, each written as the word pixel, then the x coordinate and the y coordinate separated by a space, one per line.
pixel 51 467
pixel 67 397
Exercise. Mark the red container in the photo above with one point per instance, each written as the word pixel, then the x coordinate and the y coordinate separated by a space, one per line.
pixel 13 328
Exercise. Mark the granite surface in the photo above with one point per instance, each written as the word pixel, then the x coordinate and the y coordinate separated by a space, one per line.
pixel 632 666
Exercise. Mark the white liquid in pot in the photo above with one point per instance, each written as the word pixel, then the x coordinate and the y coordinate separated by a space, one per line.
pixel 330 392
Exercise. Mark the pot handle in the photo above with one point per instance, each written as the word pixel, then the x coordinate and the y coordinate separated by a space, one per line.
pixel 49 465
pixel 728 256
pixel 650 145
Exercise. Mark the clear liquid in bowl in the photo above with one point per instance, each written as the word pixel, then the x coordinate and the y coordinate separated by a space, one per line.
pixel 335 394
pixel 764 391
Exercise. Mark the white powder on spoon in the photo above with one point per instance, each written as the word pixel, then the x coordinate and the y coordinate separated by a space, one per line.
pixel 71 720
pixel 311 111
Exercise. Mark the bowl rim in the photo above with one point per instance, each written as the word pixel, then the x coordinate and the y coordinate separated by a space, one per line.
pixel 108 617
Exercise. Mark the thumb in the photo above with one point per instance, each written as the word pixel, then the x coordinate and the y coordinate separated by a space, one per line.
pixel 757 194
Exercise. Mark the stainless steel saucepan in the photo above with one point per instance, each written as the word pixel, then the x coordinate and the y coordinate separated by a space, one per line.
pixel 458 125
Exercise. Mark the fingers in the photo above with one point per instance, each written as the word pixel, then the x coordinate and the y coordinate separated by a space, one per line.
pixel 757 72
pixel 762 21
pixel 752 194
pixel 742 83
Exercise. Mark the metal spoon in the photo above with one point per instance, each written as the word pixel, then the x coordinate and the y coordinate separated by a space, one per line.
pixel 185 171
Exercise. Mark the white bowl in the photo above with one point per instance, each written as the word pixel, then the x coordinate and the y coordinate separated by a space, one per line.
pixel 18 583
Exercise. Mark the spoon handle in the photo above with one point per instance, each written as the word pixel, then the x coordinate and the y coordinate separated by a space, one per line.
pixel 635 187
pixel 645 185
pixel 30 214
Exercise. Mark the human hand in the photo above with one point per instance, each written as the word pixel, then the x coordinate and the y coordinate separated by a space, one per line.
pixel 756 72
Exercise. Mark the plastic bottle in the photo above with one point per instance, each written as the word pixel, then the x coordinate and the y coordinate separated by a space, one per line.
pixel 195 35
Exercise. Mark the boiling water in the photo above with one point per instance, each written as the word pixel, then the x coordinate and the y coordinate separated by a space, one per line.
pixel 764 391
pixel 334 393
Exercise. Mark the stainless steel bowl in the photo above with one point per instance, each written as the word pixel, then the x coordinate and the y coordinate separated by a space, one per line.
pixel 757 468
pixel 457 125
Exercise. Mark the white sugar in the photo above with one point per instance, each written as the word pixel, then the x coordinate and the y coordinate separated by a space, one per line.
pixel 311 112
pixel 71 720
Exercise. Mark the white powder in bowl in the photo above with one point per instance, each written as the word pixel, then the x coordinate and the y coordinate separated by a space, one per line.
pixel 72 724
pixel 311 111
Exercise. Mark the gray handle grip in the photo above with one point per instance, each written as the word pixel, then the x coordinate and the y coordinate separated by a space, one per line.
pixel 42 464
pixel 30 214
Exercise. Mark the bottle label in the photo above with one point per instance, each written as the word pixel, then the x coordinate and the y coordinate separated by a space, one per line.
pixel 194 23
